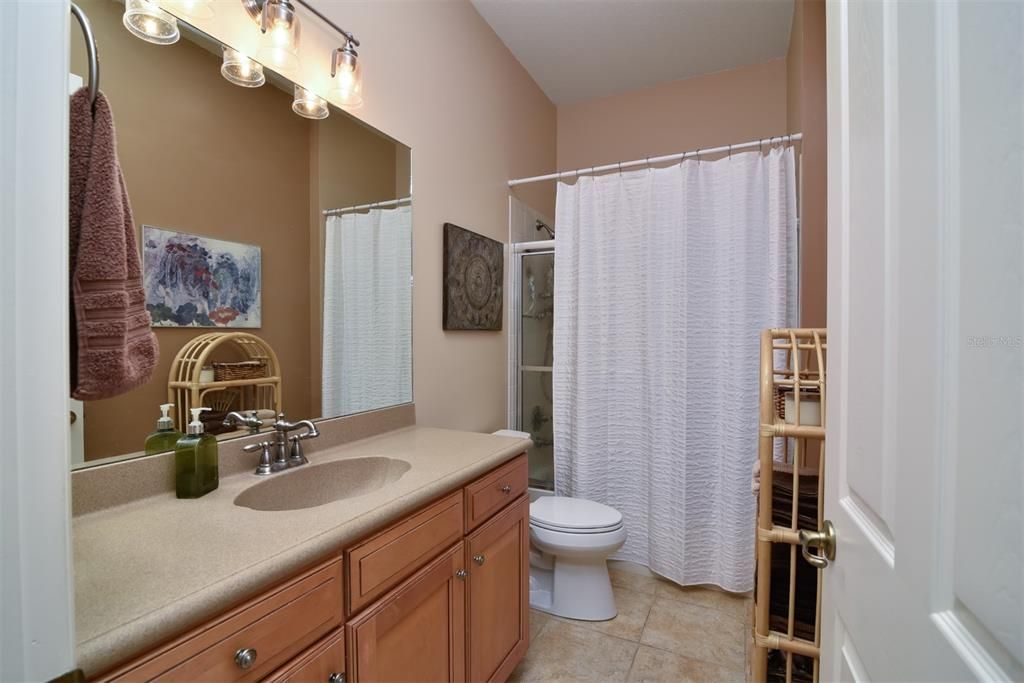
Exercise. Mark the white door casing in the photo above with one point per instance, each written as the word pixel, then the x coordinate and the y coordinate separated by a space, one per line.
pixel 925 476
pixel 36 594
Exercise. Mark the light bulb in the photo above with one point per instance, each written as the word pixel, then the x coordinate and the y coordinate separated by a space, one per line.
pixel 348 79
pixel 309 105
pixel 145 20
pixel 240 70
pixel 280 43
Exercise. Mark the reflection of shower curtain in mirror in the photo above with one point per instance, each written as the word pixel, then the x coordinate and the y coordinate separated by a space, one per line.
pixel 367 349
pixel 664 279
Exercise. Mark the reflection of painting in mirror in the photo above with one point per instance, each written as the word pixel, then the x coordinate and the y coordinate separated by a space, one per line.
pixel 196 281
pixel 206 157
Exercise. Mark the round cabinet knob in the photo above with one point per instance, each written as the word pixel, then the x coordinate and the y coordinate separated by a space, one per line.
pixel 245 658
pixel 336 677
pixel 506 489
pixel 461 574
pixel 479 559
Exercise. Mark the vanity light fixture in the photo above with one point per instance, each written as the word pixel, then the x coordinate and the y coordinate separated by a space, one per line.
pixel 279 23
pixel 347 74
pixel 145 20
pixel 240 70
pixel 308 104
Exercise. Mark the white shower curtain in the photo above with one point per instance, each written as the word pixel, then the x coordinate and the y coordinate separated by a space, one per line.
pixel 663 280
pixel 367 341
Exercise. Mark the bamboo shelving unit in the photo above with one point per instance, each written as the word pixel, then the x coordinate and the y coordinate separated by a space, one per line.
pixel 186 389
pixel 791 457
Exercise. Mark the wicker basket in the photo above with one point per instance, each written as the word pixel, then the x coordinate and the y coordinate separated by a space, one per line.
pixel 249 369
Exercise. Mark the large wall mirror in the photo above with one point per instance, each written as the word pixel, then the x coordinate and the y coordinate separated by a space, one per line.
pixel 275 247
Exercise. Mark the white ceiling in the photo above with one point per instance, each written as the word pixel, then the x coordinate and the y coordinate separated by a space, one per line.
pixel 581 49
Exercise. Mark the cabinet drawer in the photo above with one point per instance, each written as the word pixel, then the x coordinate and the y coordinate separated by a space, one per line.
pixel 277 626
pixel 493 491
pixel 384 560
pixel 322 663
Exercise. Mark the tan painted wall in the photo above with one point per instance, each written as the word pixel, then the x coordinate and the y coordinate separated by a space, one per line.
pixel 706 111
pixel 805 66
pixel 186 144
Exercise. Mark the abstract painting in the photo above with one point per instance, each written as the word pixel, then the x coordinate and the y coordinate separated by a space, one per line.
pixel 473 275
pixel 196 281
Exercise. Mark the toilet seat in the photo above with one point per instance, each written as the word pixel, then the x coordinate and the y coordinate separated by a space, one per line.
pixel 574 515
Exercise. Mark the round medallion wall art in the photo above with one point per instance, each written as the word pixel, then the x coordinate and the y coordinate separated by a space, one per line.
pixel 474 271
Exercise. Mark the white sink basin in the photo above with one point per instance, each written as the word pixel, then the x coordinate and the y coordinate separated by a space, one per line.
pixel 313 485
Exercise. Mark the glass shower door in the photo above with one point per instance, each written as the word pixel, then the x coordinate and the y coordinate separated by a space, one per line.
pixel 535 336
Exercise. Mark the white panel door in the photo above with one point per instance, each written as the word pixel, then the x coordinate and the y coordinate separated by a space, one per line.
pixel 926 341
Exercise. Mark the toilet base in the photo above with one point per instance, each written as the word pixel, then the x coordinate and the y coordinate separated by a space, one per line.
pixel 575 588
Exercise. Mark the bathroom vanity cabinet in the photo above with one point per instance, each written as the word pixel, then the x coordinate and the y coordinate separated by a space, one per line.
pixel 441 594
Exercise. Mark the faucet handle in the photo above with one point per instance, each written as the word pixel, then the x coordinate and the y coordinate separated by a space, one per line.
pixel 296 457
pixel 264 448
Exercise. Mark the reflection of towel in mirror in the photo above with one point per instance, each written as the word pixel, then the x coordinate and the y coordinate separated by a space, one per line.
pixel 113 348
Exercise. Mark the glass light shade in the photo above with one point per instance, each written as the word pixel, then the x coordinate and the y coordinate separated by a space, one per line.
pixel 309 105
pixel 145 20
pixel 241 70
pixel 280 43
pixel 348 85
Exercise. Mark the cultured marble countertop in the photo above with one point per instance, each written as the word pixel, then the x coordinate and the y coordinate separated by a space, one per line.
pixel 154 568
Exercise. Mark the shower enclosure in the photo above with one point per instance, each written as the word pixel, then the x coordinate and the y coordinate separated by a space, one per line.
pixel 532 308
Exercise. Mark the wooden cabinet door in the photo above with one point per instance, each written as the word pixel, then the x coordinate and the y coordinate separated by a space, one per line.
pixel 416 632
pixel 499 593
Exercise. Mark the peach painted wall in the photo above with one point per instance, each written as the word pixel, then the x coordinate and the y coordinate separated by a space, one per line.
pixel 706 111
pixel 805 67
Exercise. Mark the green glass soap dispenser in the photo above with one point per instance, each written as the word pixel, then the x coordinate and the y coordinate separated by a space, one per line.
pixel 166 436
pixel 195 460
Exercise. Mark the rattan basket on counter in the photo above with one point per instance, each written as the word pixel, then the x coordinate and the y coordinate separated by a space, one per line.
pixel 246 369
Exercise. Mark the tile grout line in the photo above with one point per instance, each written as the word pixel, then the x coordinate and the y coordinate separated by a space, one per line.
pixel 687 656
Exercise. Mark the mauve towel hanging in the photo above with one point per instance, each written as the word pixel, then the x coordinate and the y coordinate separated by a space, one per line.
pixel 113 348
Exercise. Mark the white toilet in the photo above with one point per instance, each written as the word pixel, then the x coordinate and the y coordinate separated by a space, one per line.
pixel 571 539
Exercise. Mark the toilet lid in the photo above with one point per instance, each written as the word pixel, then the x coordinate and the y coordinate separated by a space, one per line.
pixel 573 514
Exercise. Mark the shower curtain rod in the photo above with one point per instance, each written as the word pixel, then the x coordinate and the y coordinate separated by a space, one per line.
pixel 622 165
pixel 364 207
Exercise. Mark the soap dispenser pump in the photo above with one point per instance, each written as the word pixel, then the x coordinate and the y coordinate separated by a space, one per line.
pixel 166 436
pixel 195 460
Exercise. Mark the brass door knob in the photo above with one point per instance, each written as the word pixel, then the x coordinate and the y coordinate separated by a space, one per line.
pixel 245 658
pixel 461 574
pixel 479 559
pixel 506 489
pixel 824 540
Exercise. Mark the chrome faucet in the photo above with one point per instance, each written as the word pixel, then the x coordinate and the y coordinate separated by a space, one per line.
pixel 252 421
pixel 287 449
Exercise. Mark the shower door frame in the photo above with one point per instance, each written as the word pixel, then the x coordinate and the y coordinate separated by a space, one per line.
pixel 517 251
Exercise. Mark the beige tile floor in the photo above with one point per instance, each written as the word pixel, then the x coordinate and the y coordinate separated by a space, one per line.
pixel 663 633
